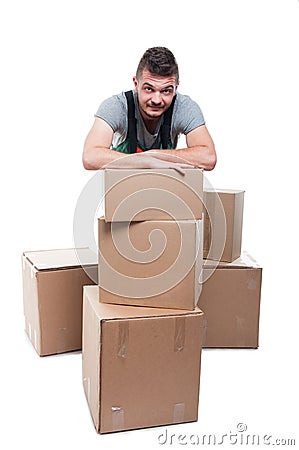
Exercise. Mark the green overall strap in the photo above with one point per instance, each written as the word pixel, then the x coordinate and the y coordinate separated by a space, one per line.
pixel 166 127
pixel 132 126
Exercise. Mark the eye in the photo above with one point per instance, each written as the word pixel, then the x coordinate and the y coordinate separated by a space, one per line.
pixel 167 91
pixel 148 89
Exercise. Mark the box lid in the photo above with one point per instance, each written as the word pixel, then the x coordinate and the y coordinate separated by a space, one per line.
pixel 61 258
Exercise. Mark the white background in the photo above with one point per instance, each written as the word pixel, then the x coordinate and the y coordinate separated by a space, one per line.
pixel 239 60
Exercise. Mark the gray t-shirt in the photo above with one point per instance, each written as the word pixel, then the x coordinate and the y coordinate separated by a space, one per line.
pixel 186 116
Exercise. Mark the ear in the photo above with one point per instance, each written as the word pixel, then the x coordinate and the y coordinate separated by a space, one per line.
pixel 135 82
pixel 177 85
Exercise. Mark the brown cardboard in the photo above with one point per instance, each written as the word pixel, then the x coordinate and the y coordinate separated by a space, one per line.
pixel 53 283
pixel 223 224
pixel 150 263
pixel 152 194
pixel 141 366
pixel 230 300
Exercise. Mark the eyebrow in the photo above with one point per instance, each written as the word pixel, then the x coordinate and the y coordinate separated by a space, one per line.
pixel 170 86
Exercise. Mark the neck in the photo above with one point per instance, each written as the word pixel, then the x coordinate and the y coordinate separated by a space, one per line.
pixel 149 122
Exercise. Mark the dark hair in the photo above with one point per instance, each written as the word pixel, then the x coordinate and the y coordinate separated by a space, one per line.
pixel 158 61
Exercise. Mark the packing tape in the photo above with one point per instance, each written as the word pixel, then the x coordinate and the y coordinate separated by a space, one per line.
pixel 252 280
pixel 204 331
pixel 123 339
pixel 210 206
pixel 240 324
pixel 118 418
pixel 86 380
pixel 88 389
pixel 178 412
pixel 242 327
pixel 179 336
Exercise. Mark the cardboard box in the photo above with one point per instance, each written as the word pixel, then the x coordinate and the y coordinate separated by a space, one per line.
pixel 230 300
pixel 223 221
pixel 53 283
pixel 151 194
pixel 141 366
pixel 150 263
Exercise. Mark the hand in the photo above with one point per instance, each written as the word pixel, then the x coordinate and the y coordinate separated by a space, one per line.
pixel 169 155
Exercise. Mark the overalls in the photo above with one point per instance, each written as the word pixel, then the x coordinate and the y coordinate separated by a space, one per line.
pixel 131 145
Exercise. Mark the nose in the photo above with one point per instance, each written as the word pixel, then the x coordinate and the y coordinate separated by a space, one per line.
pixel 156 98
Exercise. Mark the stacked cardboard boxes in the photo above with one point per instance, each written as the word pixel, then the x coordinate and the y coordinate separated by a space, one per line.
pixel 152 302
pixel 142 330
pixel 231 289
pixel 151 237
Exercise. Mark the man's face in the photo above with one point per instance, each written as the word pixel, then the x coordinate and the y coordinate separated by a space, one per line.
pixel 155 94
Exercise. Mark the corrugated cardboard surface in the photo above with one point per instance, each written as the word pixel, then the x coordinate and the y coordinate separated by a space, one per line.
pixel 53 300
pixel 230 300
pixel 152 194
pixel 150 263
pixel 145 371
pixel 223 224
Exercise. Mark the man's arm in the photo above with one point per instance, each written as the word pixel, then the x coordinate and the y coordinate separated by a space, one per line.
pixel 97 153
pixel 200 151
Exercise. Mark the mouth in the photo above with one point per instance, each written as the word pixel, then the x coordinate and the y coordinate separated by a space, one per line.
pixel 153 111
pixel 155 108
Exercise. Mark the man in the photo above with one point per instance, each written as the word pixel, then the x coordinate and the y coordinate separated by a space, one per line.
pixel 140 129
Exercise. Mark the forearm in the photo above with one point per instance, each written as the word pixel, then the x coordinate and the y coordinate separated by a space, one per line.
pixel 199 156
pixel 100 157
pixel 95 158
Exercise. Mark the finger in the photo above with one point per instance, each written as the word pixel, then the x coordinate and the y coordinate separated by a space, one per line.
pixel 167 157
pixel 177 167
pixel 187 165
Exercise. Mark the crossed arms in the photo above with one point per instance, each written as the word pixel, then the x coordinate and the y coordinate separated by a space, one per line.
pixel 200 152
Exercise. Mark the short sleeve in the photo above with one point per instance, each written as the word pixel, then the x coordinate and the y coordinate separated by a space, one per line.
pixel 113 110
pixel 187 115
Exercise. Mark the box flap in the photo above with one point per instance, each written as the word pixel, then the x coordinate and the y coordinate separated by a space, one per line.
pixel 61 258
pixel 224 191
pixel 245 261
pixel 111 311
